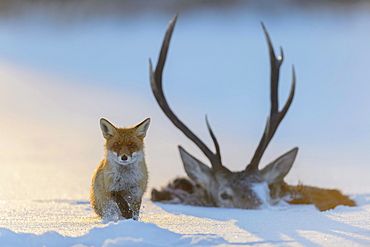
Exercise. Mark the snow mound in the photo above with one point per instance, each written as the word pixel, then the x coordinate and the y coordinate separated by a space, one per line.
pixel 122 233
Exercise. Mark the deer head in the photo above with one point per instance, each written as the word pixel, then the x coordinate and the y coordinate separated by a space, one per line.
pixel 247 189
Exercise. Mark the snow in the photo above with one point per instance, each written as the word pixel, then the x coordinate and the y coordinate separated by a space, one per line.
pixel 54 91
pixel 73 223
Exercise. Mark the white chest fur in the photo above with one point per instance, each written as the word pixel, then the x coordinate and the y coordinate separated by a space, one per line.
pixel 126 177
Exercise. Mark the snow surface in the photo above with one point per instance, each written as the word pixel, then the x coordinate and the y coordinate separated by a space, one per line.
pixel 73 223
pixel 51 142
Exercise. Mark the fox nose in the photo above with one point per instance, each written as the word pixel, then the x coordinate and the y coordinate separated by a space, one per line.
pixel 124 157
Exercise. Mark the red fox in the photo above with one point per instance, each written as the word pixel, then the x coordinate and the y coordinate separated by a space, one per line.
pixel 120 180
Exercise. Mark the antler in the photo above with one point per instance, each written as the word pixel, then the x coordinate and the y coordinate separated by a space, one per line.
pixel 156 84
pixel 275 117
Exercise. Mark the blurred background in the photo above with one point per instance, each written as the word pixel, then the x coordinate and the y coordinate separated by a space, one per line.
pixel 66 64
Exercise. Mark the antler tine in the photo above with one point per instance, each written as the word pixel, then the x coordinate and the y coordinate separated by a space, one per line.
pixel 217 147
pixel 156 84
pixel 275 69
pixel 275 117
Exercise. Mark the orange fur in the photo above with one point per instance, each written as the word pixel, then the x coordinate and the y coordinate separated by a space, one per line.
pixel 121 179
pixel 125 138
pixel 323 199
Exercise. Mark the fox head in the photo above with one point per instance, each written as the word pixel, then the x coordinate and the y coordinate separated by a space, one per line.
pixel 124 146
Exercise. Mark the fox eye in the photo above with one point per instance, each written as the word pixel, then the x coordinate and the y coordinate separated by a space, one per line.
pixel 132 146
pixel 225 196
pixel 116 146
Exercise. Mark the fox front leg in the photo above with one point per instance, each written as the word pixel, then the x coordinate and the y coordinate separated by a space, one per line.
pixel 135 206
pixel 123 205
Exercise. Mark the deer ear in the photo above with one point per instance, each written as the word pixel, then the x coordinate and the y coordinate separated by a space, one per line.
pixel 142 128
pixel 107 128
pixel 279 168
pixel 196 170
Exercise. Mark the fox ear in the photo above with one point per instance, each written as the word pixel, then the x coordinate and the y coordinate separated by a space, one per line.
pixel 142 128
pixel 196 170
pixel 279 168
pixel 107 128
